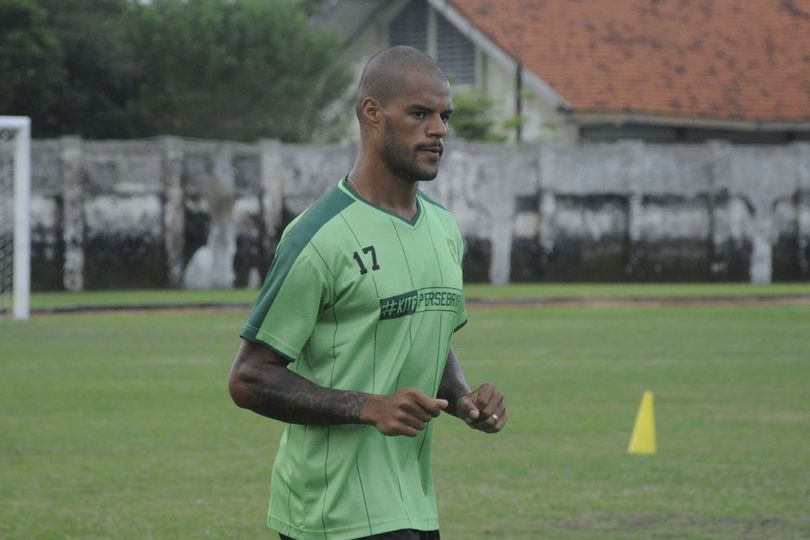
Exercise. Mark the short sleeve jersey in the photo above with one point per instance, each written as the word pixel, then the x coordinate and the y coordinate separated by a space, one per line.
pixel 358 298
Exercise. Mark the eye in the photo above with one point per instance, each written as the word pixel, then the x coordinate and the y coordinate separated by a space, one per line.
pixel 446 118
pixel 419 115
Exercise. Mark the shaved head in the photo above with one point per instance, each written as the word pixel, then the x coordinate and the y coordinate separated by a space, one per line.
pixel 386 73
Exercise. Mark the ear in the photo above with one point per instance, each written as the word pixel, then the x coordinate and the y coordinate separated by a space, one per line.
pixel 371 112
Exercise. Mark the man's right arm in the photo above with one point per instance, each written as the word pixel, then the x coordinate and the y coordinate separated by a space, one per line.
pixel 261 382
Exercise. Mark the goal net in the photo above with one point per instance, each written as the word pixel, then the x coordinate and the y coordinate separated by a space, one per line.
pixel 15 233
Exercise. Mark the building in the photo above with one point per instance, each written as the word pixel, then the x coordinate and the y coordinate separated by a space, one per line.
pixel 598 70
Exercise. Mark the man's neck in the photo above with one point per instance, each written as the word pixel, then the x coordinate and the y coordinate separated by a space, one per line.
pixel 384 189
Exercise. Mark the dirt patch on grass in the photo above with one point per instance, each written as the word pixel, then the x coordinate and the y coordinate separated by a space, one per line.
pixel 641 301
pixel 145 308
pixel 473 303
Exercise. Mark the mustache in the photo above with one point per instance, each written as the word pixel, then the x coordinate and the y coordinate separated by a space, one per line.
pixel 436 147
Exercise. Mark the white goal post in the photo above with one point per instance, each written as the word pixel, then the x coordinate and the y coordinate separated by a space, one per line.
pixel 15 132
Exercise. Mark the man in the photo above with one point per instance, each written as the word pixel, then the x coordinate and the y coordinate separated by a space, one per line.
pixel 349 341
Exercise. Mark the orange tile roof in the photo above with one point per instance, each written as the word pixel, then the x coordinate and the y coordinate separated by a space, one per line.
pixel 718 59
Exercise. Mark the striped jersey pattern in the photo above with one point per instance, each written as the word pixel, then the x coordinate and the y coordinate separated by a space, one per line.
pixel 358 298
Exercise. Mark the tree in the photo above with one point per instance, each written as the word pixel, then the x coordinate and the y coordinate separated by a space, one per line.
pixel 472 118
pixel 97 99
pixel 30 63
pixel 237 69
pixel 311 7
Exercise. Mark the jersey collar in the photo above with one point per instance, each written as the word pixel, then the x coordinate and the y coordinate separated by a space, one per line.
pixel 347 187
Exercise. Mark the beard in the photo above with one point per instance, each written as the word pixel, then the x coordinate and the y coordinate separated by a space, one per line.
pixel 403 161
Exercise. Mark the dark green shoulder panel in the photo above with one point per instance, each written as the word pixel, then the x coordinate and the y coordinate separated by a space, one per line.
pixel 291 246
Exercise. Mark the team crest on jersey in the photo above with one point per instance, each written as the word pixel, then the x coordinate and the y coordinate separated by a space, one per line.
pixel 451 244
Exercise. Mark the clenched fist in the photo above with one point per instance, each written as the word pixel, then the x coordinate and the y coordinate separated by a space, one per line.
pixel 483 409
pixel 405 412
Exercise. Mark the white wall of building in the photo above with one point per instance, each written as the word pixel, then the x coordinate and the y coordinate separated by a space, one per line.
pixel 494 77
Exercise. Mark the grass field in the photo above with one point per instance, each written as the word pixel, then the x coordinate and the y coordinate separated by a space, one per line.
pixel 118 425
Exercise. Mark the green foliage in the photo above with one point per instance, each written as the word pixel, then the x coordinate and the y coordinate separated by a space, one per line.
pixel 31 64
pixel 513 122
pixel 473 117
pixel 310 7
pixel 236 69
pixel 97 98
pixel 240 70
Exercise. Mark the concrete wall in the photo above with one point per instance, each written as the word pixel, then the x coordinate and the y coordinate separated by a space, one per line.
pixel 630 211
pixel 168 212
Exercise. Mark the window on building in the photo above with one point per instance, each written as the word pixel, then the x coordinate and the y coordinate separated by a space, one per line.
pixel 410 27
pixel 451 49
pixel 454 52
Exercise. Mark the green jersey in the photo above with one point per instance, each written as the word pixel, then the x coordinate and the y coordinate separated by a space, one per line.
pixel 359 299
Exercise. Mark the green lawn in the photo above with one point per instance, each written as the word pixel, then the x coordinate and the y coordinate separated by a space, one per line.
pixel 118 425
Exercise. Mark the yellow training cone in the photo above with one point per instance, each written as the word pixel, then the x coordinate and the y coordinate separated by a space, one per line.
pixel 643 439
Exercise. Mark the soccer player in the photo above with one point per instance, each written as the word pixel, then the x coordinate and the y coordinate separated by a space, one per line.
pixel 349 340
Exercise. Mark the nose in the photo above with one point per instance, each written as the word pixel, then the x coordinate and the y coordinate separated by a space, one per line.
pixel 437 127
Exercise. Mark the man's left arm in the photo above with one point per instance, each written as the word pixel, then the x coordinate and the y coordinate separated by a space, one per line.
pixel 482 409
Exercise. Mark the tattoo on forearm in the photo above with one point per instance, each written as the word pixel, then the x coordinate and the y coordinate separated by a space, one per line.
pixel 286 396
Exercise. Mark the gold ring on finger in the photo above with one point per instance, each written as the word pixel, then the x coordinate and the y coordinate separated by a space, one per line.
pixel 495 416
